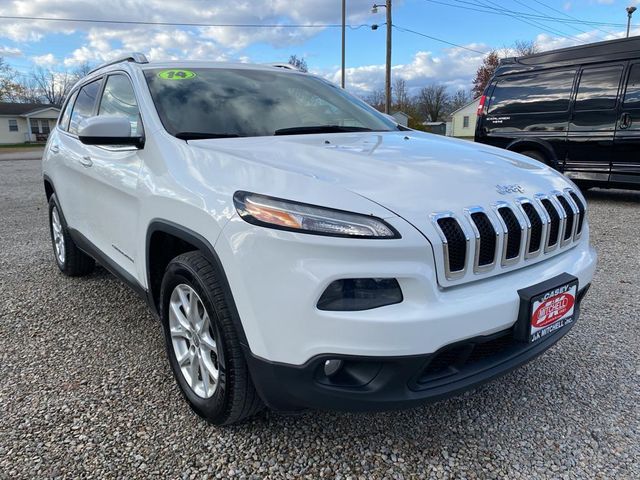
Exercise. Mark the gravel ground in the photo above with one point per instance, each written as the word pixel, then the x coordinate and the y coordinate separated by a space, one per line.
pixel 86 390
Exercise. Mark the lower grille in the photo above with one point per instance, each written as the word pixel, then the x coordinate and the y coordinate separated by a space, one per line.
pixel 451 360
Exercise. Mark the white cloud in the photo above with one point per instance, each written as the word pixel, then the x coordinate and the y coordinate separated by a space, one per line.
pixel 455 67
pixel 46 60
pixel 10 52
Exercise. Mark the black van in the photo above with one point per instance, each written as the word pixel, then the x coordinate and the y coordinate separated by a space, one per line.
pixel 576 109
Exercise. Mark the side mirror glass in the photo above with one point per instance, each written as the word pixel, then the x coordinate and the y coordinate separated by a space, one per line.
pixel 108 130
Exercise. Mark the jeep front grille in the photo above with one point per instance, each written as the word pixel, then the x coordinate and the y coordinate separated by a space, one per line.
pixel 508 233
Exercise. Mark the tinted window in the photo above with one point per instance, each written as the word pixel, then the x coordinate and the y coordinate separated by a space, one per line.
pixel 66 114
pixel 118 99
pixel 244 102
pixel 85 102
pixel 632 97
pixel 598 89
pixel 532 93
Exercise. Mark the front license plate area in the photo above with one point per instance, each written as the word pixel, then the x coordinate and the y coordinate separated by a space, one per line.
pixel 546 308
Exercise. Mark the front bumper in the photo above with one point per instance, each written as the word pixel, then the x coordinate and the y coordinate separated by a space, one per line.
pixel 385 383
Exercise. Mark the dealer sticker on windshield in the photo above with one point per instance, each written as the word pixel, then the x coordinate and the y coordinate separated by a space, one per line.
pixel 176 74
pixel 552 310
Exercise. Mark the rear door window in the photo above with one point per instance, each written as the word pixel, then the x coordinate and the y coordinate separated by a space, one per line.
pixel 532 93
pixel 84 105
pixel 598 88
pixel 632 96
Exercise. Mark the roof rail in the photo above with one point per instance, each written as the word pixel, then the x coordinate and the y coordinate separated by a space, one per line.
pixel 135 57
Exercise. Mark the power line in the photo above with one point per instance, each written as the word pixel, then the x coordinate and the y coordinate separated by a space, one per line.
pixel 553 9
pixel 533 9
pixel 185 24
pixel 402 29
pixel 507 12
pixel 528 22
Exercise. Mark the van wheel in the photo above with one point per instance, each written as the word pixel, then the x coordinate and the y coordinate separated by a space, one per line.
pixel 70 259
pixel 536 155
pixel 203 348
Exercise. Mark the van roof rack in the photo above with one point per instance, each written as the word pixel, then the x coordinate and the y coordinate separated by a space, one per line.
pixel 286 66
pixel 135 57
pixel 618 49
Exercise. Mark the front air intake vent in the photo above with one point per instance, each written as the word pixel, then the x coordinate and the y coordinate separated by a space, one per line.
pixel 487 239
pixel 554 225
pixel 514 233
pixel 535 240
pixel 568 227
pixel 456 245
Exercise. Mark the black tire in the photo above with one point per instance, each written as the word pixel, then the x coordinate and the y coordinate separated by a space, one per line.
pixel 234 398
pixel 74 262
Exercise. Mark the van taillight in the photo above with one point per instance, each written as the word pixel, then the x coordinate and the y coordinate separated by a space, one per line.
pixel 483 98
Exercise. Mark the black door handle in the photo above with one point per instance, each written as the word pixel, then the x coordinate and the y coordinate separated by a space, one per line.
pixel 625 120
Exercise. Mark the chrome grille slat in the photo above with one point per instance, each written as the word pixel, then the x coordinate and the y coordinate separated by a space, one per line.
pixel 508 233
pixel 486 239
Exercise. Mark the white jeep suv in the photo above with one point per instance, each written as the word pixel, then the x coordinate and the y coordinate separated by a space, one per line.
pixel 301 249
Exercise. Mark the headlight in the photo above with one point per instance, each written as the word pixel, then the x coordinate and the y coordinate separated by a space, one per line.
pixel 301 217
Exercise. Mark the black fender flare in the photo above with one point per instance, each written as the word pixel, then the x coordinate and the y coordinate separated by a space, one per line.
pixel 203 245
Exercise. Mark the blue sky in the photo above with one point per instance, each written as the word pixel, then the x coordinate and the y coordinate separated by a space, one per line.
pixel 478 25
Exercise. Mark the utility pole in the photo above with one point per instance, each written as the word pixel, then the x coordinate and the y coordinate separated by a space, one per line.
pixel 387 79
pixel 630 11
pixel 344 27
pixel 387 74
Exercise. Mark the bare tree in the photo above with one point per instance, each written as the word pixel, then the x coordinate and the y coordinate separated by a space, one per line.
pixel 376 99
pixel 81 71
pixel 299 62
pixel 401 95
pixel 432 101
pixel 9 88
pixel 525 47
pixel 52 87
pixel 458 100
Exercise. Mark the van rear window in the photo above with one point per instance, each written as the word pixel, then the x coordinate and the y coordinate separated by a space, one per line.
pixel 532 93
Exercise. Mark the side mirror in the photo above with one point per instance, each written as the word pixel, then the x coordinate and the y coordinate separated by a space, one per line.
pixel 105 130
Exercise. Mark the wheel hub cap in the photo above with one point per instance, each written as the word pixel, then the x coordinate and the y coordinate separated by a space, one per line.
pixel 193 341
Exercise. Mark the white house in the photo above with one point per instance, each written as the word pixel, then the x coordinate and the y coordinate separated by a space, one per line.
pixel 26 122
pixel 463 120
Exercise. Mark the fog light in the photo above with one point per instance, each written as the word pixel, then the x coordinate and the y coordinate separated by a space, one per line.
pixel 331 367
pixel 352 294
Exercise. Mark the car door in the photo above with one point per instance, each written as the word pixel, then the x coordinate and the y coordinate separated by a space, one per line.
pixel 72 188
pixel 593 122
pixel 625 162
pixel 113 179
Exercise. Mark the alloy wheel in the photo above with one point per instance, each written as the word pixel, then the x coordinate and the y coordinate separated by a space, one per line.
pixel 58 236
pixel 193 340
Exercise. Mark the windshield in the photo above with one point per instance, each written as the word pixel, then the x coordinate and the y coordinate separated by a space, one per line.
pixel 215 102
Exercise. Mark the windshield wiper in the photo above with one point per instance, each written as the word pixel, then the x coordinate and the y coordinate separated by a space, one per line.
pixel 320 129
pixel 203 135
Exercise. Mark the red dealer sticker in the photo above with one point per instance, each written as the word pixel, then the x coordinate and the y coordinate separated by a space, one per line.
pixel 553 310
